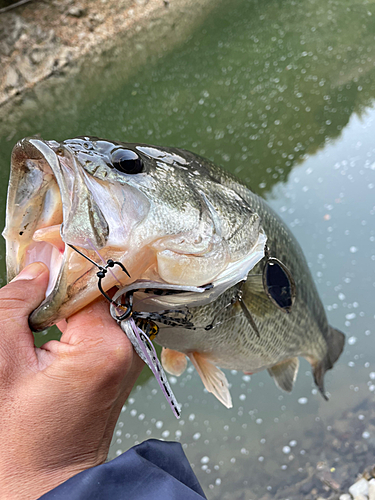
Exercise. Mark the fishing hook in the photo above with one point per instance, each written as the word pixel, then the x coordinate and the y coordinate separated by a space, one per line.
pixel 101 275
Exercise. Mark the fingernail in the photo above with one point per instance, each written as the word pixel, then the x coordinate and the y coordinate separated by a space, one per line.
pixel 31 272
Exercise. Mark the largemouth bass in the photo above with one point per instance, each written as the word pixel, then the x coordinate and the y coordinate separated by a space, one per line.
pixel 170 217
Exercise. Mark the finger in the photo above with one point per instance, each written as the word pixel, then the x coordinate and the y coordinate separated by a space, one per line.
pixel 62 325
pixel 19 298
pixel 99 343
pixel 90 323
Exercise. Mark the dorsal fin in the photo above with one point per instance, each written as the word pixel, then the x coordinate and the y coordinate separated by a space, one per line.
pixel 285 373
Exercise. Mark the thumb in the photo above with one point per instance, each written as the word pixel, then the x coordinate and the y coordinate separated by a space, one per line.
pixel 22 295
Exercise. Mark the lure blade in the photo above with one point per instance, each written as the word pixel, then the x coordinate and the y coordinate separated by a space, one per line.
pixel 146 351
pixel 279 284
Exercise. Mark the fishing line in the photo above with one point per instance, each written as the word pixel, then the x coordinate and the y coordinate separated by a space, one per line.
pixel 102 259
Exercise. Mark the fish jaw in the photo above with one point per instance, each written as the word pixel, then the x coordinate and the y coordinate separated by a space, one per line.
pixel 48 200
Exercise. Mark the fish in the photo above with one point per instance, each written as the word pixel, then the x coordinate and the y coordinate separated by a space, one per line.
pixel 241 295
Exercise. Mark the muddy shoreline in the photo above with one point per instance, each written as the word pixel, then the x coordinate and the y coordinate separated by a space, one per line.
pixel 45 39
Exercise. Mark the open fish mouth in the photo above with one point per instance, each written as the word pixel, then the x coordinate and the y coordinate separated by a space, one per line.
pixel 35 209
pixel 70 193
pixel 48 207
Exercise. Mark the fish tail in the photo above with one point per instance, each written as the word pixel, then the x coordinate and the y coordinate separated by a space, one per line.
pixel 335 342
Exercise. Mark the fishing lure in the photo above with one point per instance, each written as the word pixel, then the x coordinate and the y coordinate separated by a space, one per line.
pixel 139 327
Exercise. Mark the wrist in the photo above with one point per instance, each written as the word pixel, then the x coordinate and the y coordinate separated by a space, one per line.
pixel 30 485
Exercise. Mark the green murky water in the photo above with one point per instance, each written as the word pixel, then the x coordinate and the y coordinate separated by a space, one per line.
pixel 280 93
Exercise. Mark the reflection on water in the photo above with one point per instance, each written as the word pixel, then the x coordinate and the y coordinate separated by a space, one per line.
pixel 279 92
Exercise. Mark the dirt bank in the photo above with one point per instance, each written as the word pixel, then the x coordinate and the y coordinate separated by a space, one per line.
pixel 44 38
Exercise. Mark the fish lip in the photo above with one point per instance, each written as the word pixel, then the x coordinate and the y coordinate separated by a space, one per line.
pixel 33 148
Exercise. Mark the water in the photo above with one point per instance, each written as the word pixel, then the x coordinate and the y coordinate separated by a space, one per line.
pixel 282 94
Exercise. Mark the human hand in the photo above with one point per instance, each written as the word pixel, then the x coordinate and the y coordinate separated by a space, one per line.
pixel 59 403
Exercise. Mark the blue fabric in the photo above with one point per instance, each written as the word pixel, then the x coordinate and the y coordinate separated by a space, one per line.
pixel 157 470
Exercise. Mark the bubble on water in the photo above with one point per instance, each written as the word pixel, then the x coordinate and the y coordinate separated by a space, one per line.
pixel 244 451
pixel 118 453
pixel 353 249
pixel 286 449
pixel 242 397
pixel 191 417
pixel 133 413
pixel 172 380
pixel 196 436
pixel 302 401
pixel 341 296
pixel 159 424
pixel 372 375
pixel 260 459
pixel 292 443
pixel 361 417
pixel 352 340
pixel 365 435
pixel 218 481
pixel 178 433
pixel 246 378
pixel 233 460
pixel 284 467
pixel 205 460
pixel 258 421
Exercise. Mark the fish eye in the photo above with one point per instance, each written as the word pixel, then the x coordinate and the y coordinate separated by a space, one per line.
pixel 126 161
pixel 279 284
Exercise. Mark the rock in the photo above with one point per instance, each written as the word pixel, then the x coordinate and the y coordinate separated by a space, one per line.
pixel 359 488
pixel 12 78
pixel 361 497
pixel 76 11
pixel 371 489
pixel 345 496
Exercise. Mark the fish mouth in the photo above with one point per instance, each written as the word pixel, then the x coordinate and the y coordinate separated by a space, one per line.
pixel 34 210
pixel 42 197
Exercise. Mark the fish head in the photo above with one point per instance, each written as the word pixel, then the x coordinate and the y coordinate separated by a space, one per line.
pixel 163 213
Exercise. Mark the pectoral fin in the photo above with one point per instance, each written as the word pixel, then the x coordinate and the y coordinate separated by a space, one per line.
pixel 212 377
pixel 285 373
pixel 255 297
pixel 173 362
